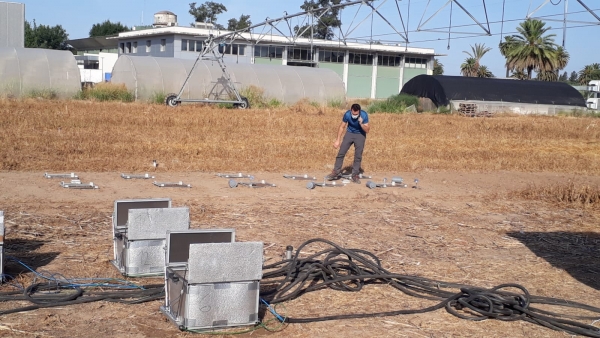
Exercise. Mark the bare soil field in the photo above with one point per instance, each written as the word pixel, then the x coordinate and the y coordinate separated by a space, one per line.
pixel 486 212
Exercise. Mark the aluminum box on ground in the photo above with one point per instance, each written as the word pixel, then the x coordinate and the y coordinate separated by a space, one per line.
pixel 121 214
pixel 142 244
pixel 140 234
pixel 213 303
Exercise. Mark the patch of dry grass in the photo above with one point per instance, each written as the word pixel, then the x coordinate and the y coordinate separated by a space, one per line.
pixel 115 136
pixel 568 193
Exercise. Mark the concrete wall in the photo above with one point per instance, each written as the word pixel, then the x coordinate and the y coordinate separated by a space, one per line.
pixel 409 73
pixel 517 108
pixel 12 24
pixel 359 81
pixel 388 80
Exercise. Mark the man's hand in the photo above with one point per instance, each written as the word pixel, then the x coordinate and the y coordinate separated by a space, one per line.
pixel 336 144
pixel 360 119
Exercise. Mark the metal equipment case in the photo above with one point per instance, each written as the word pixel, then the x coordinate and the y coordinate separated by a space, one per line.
pixel 139 232
pixel 211 281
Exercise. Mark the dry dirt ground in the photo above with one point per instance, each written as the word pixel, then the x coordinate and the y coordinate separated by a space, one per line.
pixel 458 227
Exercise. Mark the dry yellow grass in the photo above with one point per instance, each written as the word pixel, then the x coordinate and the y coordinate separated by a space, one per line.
pixel 568 193
pixel 94 136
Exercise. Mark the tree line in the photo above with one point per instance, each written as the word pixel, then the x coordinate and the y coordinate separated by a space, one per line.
pixel 531 50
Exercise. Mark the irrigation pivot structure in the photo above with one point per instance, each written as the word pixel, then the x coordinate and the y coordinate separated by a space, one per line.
pixel 212 43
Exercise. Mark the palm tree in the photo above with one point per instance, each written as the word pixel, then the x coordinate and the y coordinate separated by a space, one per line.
pixel 519 74
pixel 532 50
pixel 438 67
pixel 468 68
pixel 589 73
pixel 545 75
pixel 477 53
pixel 505 47
pixel 483 71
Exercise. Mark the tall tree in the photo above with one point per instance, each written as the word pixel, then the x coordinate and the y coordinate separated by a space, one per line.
pixel 546 75
pixel 505 47
pixel 107 28
pixel 573 78
pixel 589 73
pixel 564 77
pixel 483 71
pixel 533 49
pixel 468 68
pixel 472 66
pixel 519 74
pixel 238 24
pixel 477 52
pixel 438 67
pixel 42 36
pixel 322 28
pixel 207 12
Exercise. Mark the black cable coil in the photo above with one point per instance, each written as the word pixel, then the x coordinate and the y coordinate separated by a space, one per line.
pixel 351 269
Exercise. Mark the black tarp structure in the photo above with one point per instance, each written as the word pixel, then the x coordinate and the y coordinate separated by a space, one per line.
pixel 442 89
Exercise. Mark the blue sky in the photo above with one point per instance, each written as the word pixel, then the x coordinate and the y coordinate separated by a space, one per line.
pixel 77 17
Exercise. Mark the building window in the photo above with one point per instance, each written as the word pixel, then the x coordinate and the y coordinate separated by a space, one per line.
pixel 232 49
pixel 127 47
pixel 148 46
pixel 389 60
pixel 300 54
pixel 326 55
pixel 121 48
pixel 271 52
pixel 163 45
pixel 191 45
pixel 416 63
pixel 360 59
pixel 134 50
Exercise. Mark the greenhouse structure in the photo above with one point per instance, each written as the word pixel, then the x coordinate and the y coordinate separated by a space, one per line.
pixel 149 77
pixel 38 72
pixel 496 95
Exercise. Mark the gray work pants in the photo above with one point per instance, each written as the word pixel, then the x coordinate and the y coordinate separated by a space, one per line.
pixel 359 144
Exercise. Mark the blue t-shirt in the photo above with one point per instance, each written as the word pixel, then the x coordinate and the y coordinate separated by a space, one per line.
pixel 353 125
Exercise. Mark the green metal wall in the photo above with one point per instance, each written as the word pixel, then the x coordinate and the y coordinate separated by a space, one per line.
pixel 267 61
pixel 336 67
pixel 388 82
pixel 409 73
pixel 359 80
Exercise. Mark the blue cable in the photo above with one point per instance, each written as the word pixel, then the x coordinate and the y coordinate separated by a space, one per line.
pixel 3 277
pixel 281 319
pixel 74 281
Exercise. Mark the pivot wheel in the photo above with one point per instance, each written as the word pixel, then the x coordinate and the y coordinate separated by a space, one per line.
pixel 245 104
pixel 171 100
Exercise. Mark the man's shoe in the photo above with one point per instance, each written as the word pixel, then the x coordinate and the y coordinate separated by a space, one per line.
pixel 335 175
pixel 355 179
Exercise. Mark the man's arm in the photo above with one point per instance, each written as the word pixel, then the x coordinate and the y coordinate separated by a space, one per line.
pixel 337 142
pixel 364 126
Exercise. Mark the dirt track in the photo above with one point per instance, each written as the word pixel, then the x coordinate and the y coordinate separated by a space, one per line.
pixel 458 226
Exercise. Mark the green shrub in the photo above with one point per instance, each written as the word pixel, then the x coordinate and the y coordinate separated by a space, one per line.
pixel 106 92
pixel 47 94
pixel 158 98
pixel 336 103
pixel 256 98
pixel 394 104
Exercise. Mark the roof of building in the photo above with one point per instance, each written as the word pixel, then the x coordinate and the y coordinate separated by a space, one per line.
pixel 443 89
pixel 95 43
pixel 275 39
pixel 165 12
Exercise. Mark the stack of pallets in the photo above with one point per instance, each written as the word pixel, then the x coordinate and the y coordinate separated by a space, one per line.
pixel 470 110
